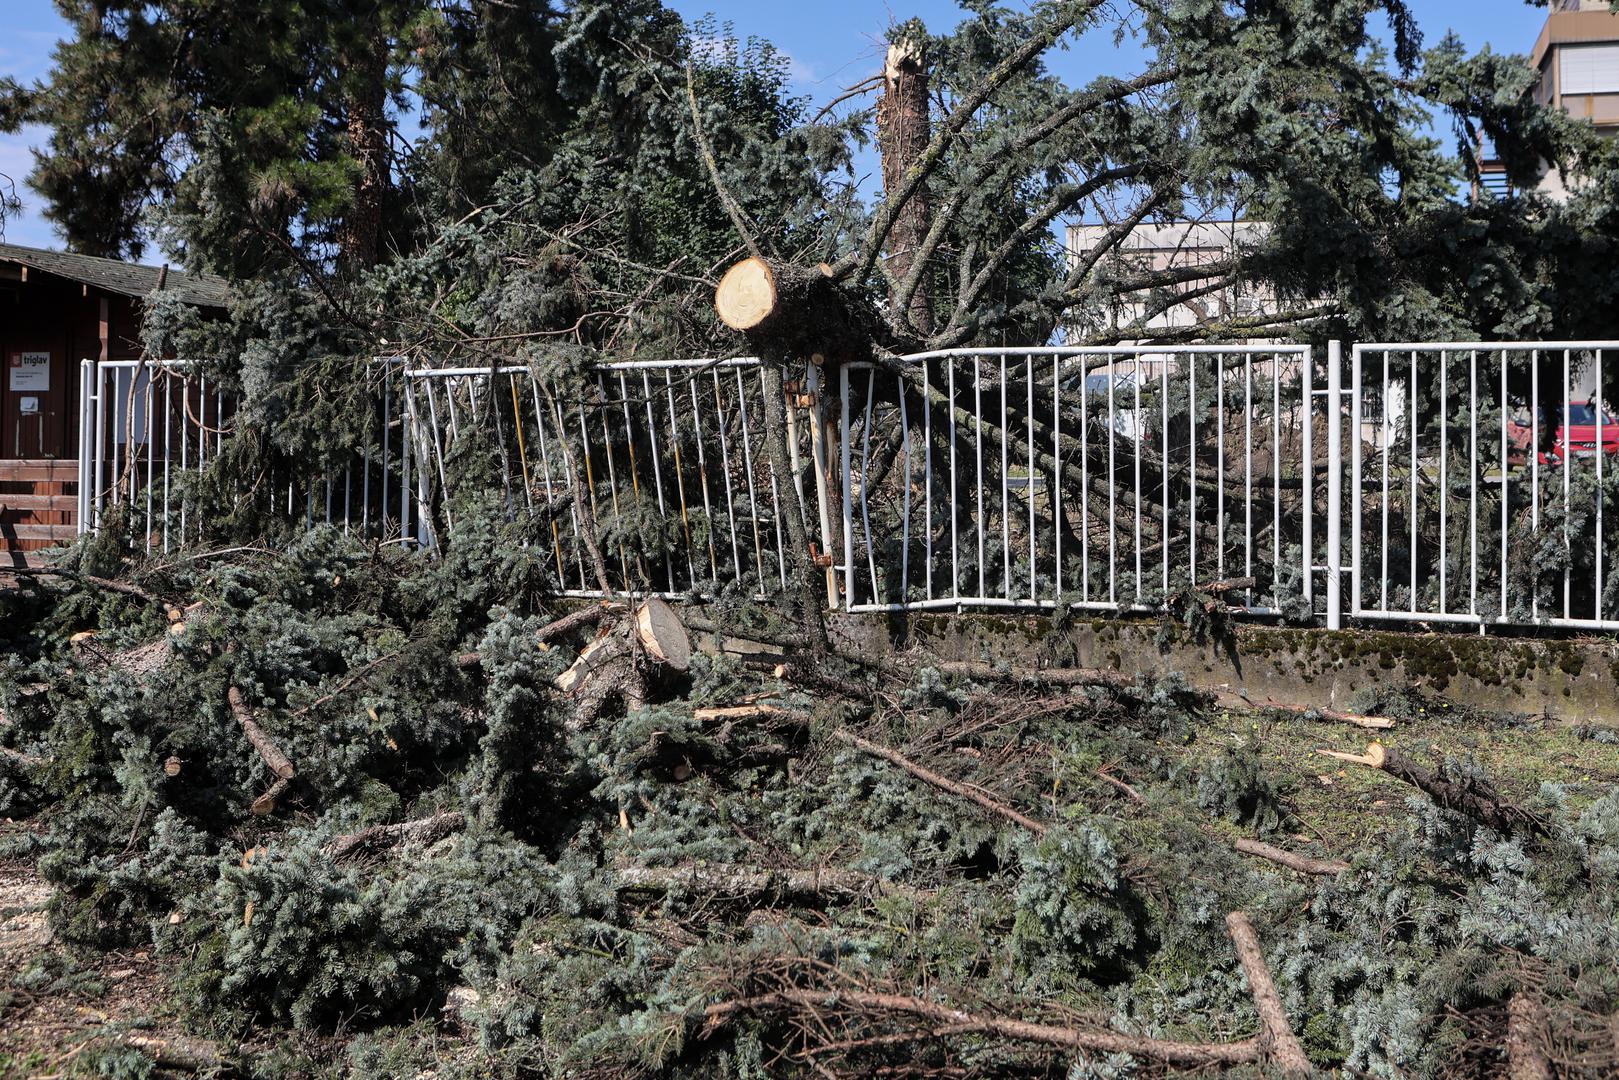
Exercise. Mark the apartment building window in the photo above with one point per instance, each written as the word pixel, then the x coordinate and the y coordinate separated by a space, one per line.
pixel 1588 69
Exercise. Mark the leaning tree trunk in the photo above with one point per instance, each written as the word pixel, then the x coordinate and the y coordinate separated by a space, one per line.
pixel 902 137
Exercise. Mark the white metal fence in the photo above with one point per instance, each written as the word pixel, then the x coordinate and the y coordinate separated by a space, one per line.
pixel 149 429
pixel 669 454
pixel 1423 483
pixel 1485 480
pixel 1101 478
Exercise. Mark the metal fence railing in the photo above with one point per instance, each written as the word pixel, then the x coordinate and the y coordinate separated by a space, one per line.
pixel 149 430
pixel 669 454
pixel 1483 481
pixel 1462 483
pixel 1101 478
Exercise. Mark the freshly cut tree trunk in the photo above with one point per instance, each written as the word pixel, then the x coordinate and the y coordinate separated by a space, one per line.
pixel 791 312
pixel 662 634
pixel 754 292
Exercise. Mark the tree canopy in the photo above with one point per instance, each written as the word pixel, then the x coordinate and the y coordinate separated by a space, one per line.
pixel 474 176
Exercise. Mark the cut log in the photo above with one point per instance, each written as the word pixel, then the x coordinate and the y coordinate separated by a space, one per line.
pixel 747 295
pixel 1277 1042
pixel 755 711
pixel 264 805
pixel 1476 799
pixel 592 656
pixel 422 831
pixel 268 750
pixel 662 634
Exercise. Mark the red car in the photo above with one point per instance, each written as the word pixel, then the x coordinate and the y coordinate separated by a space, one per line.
pixel 1579 433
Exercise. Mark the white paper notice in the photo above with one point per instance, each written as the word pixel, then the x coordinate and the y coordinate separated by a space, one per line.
pixel 31 371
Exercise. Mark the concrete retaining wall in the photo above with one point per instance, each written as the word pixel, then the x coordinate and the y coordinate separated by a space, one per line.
pixel 1572 680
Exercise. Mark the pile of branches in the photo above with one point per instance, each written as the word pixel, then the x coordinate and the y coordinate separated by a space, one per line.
pixel 346 789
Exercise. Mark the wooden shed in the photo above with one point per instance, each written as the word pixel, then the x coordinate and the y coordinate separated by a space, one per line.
pixel 56 310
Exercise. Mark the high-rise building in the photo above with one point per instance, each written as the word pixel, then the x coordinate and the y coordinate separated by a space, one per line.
pixel 1577 56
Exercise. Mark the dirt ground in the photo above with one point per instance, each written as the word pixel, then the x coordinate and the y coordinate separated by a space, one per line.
pixel 54 1009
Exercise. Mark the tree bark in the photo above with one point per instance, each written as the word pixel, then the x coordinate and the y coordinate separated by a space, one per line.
pixel 268 750
pixel 365 106
pixel 1276 1039
pixel 902 138
pixel 1526 1048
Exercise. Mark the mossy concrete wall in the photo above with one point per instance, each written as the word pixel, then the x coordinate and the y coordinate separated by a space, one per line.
pixel 1576 680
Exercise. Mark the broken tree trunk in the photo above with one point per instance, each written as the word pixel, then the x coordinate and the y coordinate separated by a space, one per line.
pixel 1477 799
pixel 1277 1042
pixel 902 138
pixel 268 750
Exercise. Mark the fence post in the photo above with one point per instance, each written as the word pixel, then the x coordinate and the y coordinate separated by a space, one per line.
pixel 820 436
pixel 1335 456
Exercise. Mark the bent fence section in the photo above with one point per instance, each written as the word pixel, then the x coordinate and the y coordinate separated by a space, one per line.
pixel 1464 483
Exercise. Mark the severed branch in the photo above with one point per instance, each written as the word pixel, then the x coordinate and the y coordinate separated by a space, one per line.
pixel 933 779
pixel 733 209
pixel 1304 864
pixel 751 883
pixel 1182 1054
pixel 1476 799
pixel 973 794
pixel 421 831
pixel 108 584
pixel 1277 1042
pixel 1372 723
pixel 264 805
pixel 268 750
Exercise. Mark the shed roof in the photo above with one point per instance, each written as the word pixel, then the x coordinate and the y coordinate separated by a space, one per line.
pixel 129 279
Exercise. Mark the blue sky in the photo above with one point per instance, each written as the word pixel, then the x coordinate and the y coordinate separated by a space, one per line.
pixel 831 44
